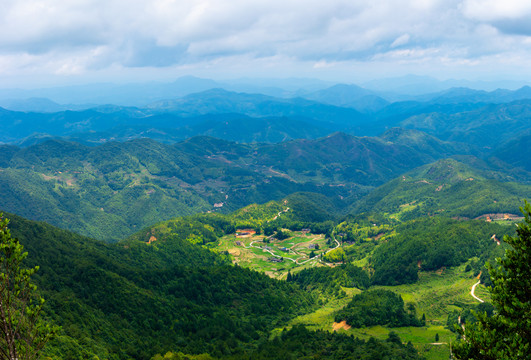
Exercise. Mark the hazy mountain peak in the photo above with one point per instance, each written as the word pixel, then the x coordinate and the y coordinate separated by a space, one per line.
pixel 446 170
pixel 34 104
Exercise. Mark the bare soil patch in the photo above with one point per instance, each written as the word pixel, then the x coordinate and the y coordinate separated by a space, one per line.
pixel 245 233
pixel 340 325
pixel 235 252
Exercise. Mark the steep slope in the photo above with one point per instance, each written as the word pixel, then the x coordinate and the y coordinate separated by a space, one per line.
pixel 486 127
pixel 445 187
pixel 426 144
pixel 342 157
pixel 115 189
pixel 104 192
pixel 132 300
pixel 516 151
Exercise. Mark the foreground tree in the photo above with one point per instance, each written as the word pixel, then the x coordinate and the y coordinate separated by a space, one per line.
pixel 23 333
pixel 506 334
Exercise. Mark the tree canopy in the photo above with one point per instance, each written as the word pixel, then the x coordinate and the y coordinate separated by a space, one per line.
pixel 506 334
pixel 23 333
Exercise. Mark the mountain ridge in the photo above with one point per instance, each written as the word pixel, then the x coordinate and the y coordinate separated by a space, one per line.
pixel 120 187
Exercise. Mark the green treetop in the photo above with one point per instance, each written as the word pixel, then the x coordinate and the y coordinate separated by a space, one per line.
pixel 23 333
pixel 506 334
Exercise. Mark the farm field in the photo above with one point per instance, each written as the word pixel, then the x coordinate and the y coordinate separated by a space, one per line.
pixel 435 295
pixel 276 257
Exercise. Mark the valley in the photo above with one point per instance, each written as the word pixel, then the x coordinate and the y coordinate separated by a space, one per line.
pixel 435 295
pixel 276 257
pixel 228 225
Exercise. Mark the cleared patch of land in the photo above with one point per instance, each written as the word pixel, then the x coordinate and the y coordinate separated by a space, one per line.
pixel 276 257
pixel 341 325
pixel 435 295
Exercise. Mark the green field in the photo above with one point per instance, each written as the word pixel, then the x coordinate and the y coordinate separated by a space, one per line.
pixel 252 252
pixel 435 294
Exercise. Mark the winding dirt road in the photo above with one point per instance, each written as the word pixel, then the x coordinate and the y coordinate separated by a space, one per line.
pixel 287 258
pixel 473 290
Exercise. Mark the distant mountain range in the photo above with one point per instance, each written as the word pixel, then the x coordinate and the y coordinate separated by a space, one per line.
pixel 478 118
pixel 449 188
pixel 367 95
pixel 220 150
pixel 114 189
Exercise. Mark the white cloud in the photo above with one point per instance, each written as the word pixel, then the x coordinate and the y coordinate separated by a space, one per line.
pixel 82 36
pixel 508 16
pixel 488 10
pixel 401 40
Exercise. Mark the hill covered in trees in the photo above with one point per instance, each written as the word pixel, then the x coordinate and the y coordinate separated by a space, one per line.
pixel 373 229
pixel 135 299
pixel 132 300
pixel 115 189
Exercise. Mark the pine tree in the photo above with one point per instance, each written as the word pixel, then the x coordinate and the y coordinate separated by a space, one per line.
pixel 506 334
pixel 23 333
pixel 289 277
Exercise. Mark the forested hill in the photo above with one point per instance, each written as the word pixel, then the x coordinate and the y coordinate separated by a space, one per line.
pixel 447 187
pixel 134 300
pixel 115 189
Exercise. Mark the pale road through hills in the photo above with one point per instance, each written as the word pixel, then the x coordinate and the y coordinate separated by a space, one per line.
pixel 473 290
pixel 295 261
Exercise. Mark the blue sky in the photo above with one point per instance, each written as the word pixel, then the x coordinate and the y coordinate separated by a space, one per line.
pixel 50 42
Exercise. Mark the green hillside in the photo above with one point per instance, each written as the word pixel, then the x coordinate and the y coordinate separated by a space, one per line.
pixel 135 299
pixel 446 187
pixel 162 289
pixel 112 190
pixel 516 151
pixel 487 126
pixel 132 300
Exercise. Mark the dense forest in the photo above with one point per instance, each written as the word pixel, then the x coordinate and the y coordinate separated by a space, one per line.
pixel 225 225
pixel 120 301
pixel 115 189
pixel 378 307
pixel 111 300
pixel 430 244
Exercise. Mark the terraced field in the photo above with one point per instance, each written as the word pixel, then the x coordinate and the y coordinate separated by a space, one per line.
pixel 276 257
pixel 435 295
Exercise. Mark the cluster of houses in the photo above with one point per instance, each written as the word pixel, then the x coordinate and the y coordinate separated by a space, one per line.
pixel 491 217
pixel 250 232
pixel 245 232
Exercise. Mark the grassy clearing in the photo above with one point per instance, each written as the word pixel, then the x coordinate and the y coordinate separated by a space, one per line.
pixel 252 252
pixel 323 317
pixel 435 294
pixel 423 338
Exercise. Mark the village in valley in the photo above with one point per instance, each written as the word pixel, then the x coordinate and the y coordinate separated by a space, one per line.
pixel 278 253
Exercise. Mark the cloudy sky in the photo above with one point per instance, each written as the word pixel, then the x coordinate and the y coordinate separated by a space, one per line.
pixel 75 41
